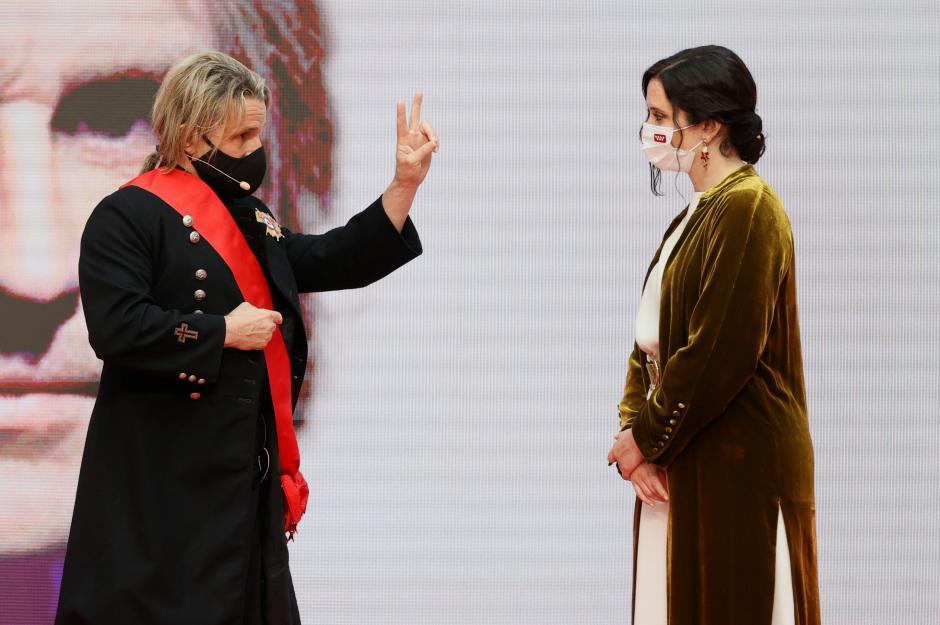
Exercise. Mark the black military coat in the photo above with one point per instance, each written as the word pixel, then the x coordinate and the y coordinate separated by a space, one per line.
pixel 165 524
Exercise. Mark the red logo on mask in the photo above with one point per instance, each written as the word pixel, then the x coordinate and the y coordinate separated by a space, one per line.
pixel 659 138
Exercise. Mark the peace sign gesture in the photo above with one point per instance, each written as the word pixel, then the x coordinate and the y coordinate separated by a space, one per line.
pixel 416 142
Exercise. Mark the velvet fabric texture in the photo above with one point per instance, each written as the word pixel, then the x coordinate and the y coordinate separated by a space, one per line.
pixel 728 421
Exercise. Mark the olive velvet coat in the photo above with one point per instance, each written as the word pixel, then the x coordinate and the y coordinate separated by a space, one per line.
pixel 728 421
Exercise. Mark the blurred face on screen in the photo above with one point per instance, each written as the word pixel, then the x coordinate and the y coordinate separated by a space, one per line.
pixel 74 104
pixel 77 81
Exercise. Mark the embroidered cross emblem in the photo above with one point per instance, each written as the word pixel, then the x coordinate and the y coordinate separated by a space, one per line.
pixel 183 332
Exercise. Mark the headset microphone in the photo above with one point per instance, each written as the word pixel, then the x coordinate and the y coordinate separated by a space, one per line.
pixel 241 183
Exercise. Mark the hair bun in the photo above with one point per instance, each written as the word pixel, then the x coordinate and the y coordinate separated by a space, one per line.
pixel 747 136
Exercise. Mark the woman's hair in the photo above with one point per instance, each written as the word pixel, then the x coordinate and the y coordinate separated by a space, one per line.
pixel 712 82
pixel 199 94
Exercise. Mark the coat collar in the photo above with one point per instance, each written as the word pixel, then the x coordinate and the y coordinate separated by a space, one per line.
pixel 739 174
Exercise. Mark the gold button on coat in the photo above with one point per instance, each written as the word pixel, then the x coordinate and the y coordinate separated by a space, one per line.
pixel 201 274
pixel 195 395
pixel 199 294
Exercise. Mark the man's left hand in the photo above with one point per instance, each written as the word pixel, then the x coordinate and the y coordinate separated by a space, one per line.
pixel 416 142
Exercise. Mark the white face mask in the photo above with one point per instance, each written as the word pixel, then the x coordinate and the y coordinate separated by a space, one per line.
pixel 657 145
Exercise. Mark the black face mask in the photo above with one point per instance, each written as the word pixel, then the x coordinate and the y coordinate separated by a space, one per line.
pixel 228 176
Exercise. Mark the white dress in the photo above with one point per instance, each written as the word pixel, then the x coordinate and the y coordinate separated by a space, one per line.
pixel 651 575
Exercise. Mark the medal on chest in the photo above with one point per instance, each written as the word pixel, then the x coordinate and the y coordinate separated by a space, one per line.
pixel 271 227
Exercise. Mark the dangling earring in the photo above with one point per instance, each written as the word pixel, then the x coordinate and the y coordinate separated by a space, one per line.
pixel 705 156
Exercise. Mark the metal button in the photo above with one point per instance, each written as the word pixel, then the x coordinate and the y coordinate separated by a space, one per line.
pixel 195 395
pixel 668 430
pixel 197 312
pixel 188 221
pixel 665 437
pixel 192 378
pixel 681 406
pixel 182 376
pixel 672 421
pixel 199 294
pixel 194 237
pixel 676 413
pixel 201 274
pixel 201 381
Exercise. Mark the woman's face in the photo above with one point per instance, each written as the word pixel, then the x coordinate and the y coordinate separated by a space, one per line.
pixel 660 113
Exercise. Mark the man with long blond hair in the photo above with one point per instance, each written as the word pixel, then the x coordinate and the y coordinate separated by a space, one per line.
pixel 191 478
pixel 74 126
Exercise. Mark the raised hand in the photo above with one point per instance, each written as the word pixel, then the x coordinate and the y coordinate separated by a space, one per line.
pixel 417 141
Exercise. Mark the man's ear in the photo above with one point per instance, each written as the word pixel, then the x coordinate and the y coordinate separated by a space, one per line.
pixel 189 141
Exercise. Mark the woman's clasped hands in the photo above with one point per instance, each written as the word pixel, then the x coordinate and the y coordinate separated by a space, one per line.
pixel 649 480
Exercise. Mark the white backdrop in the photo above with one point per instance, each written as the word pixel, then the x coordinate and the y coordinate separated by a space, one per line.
pixel 465 405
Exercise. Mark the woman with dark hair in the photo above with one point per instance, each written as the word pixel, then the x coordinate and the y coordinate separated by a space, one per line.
pixel 714 433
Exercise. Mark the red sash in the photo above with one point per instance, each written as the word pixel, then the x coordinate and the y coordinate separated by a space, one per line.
pixel 188 195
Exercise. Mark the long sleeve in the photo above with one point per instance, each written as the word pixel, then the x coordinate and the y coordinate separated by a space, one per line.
pixel 125 325
pixel 634 393
pixel 366 249
pixel 746 258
